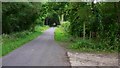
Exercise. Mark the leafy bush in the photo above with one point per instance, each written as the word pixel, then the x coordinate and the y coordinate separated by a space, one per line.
pixel 65 26
pixel 39 21
pixel 82 44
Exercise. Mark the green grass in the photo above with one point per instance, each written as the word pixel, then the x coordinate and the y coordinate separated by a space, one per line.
pixel 15 40
pixel 87 45
pixel 61 35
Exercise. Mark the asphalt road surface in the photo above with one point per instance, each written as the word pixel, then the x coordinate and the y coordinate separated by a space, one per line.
pixel 42 51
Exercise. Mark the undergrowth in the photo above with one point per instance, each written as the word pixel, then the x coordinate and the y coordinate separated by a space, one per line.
pixel 15 40
pixel 86 45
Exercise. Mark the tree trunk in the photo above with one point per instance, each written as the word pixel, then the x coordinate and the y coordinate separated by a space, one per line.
pixel 59 17
pixel 90 35
pixel 84 31
pixel 118 11
pixel 62 17
pixel 116 5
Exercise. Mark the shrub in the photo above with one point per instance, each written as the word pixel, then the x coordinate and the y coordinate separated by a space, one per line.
pixel 65 26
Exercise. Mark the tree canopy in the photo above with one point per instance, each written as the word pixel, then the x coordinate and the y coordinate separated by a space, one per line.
pixel 87 19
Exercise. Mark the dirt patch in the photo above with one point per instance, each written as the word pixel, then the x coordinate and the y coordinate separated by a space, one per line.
pixel 78 58
pixel 88 59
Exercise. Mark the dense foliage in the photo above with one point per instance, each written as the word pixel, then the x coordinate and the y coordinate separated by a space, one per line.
pixel 21 22
pixel 99 22
pixel 20 16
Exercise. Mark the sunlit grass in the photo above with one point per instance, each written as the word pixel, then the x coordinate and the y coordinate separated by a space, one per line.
pixel 60 35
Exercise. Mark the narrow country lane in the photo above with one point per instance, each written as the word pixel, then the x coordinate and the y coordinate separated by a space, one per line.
pixel 42 51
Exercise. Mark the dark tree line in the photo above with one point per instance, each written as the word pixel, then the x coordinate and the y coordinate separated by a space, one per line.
pixel 52 20
pixel 19 16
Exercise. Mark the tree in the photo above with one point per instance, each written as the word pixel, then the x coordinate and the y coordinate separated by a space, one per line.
pixel 19 16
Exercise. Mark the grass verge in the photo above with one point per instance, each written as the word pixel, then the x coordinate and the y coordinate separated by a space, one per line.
pixel 61 35
pixel 15 40
pixel 80 45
